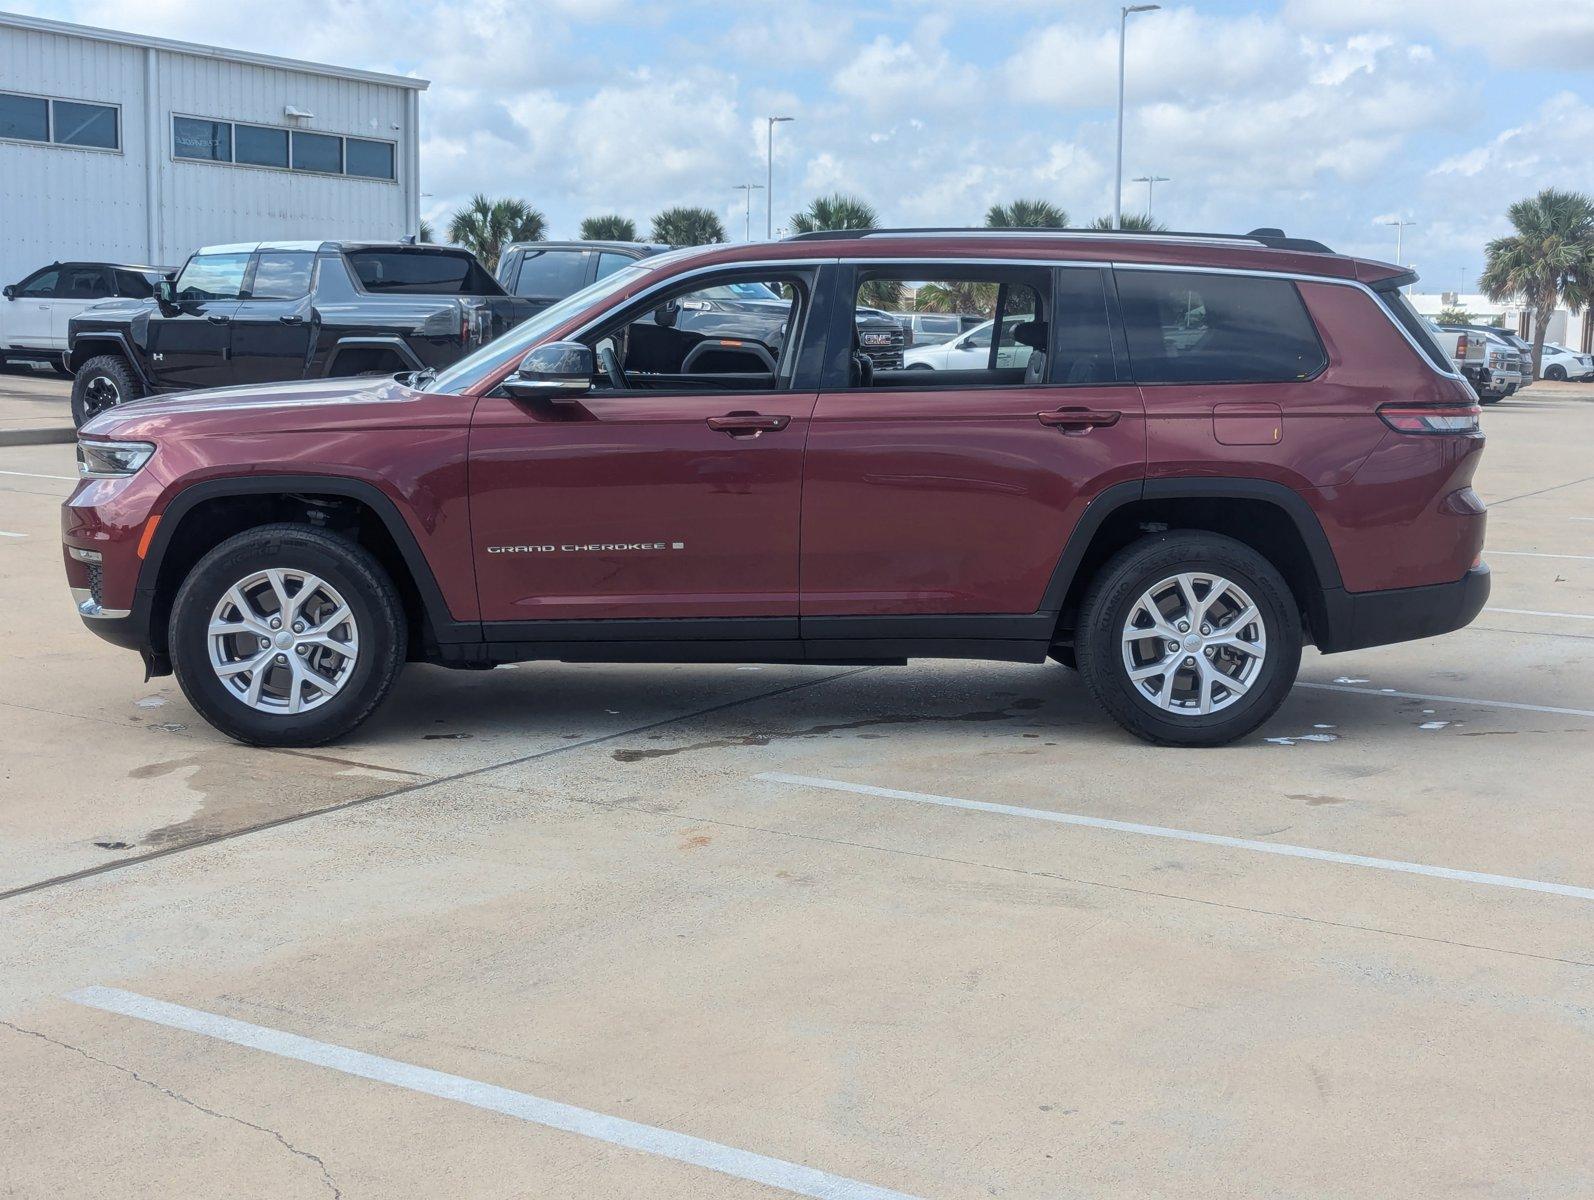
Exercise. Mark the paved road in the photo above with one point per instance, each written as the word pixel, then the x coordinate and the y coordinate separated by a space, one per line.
pixel 942 930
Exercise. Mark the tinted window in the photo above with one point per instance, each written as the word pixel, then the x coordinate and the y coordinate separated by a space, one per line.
pixel 1190 328
pixel 212 277
pixel 608 263
pixel 1423 332
pixel 1081 344
pixel 85 124
pixel 24 117
pixel 282 275
pixel 424 272
pixel 550 274
pixel 373 160
pixel 946 326
pixel 317 152
pixel 42 284
pixel 209 140
pixel 261 147
pixel 84 283
pixel 131 283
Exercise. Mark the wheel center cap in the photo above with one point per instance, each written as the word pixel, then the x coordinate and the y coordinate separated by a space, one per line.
pixel 284 640
pixel 1192 641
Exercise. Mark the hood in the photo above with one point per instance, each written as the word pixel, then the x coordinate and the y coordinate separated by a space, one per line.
pixel 313 404
pixel 119 309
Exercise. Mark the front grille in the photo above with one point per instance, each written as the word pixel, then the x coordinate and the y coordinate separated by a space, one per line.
pixel 96 583
pixel 883 346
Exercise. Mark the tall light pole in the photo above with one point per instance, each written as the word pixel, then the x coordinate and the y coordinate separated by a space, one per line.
pixel 747 226
pixel 1150 181
pixel 1400 224
pixel 769 180
pixel 1118 167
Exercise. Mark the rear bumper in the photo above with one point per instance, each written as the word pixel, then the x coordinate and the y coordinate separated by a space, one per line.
pixel 1357 619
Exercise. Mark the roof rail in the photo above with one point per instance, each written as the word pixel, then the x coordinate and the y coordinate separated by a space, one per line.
pixel 1267 236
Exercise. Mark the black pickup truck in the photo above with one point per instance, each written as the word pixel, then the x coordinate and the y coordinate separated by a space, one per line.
pixel 262 312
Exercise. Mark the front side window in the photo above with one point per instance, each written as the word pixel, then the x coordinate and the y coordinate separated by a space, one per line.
pixel 207 140
pixel 261 146
pixel 78 124
pixel 24 117
pixel 41 285
pixel 550 274
pixel 317 152
pixel 282 275
pixel 212 277
pixel 1186 327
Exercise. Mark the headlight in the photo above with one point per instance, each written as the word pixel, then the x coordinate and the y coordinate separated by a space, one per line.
pixel 111 460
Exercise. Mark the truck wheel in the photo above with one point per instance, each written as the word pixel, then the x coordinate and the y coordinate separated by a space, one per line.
pixel 287 636
pixel 100 384
pixel 1189 639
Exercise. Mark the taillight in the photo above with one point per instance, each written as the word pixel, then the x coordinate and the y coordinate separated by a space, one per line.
pixel 1461 347
pixel 1431 418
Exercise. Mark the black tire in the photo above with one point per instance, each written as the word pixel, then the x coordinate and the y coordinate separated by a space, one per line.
pixel 100 384
pixel 1111 598
pixel 1490 399
pixel 1556 372
pixel 374 603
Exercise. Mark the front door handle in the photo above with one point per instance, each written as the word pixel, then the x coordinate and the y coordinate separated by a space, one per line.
pixel 291 320
pixel 218 320
pixel 743 424
pixel 1078 420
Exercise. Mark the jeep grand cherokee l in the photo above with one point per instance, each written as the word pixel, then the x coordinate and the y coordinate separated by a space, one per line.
pixel 1213 450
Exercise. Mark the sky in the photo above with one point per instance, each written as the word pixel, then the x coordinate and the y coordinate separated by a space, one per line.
pixel 1322 117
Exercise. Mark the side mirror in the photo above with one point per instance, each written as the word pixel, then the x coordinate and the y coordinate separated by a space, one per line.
pixel 166 293
pixel 11 291
pixel 556 371
pixel 667 314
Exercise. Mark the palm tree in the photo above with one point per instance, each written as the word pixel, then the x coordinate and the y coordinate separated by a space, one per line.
pixel 684 226
pixel 485 226
pixel 1549 260
pixel 610 228
pixel 1026 214
pixel 425 233
pixel 840 211
pixel 956 296
pixel 1130 221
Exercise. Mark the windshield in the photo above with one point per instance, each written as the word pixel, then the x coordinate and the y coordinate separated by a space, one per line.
pixel 475 367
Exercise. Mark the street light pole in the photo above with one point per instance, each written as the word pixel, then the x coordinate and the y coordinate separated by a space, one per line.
pixel 1118 167
pixel 1150 181
pixel 1400 224
pixel 747 225
pixel 769 176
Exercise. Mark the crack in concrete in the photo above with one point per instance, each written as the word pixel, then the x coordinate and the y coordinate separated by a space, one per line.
pixel 326 1176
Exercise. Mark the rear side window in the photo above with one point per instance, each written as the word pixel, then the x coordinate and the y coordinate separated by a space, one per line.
pixel 1185 327
pixel 421 272
pixel 1409 319
pixel 84 283
pixel 551 274
pixel 131 283
pixel 282 275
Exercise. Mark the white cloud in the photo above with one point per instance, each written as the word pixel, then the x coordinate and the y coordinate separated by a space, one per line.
pixel 1530 33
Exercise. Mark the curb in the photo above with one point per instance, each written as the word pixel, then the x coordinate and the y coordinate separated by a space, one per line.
pixel 49 436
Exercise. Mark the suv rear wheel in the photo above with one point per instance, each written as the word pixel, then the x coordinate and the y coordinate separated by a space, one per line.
pixel 287 636
pixel 102 383
pixel 1189 639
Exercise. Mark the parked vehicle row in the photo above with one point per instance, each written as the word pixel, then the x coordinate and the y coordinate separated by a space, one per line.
pixel 1506 368
pixel 1211 451
pixel 35 311
pixel 1561 364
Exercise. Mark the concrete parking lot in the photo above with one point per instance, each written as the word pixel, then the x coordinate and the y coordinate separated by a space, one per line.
pixel 698 931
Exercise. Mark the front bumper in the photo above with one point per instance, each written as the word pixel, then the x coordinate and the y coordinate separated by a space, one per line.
pixel 1354 620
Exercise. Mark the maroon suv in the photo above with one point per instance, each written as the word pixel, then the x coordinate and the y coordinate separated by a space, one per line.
pixel 1169 460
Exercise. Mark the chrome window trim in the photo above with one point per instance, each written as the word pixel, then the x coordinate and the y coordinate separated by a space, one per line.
pixel 1081 235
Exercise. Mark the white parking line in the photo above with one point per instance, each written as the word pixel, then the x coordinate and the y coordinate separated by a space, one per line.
pixel 1185 835
pixel 1534 612
pixel 8 533
pixel 1535 554
pixel 617 1131
pixel 1361 691
pixel 33 475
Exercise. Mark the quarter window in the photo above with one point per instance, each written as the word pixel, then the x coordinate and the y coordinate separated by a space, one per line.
pixel 1185 327
pixel 213 277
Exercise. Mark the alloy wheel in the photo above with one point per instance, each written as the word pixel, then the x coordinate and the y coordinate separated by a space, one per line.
pixel 1194 643
pixel 283 641
pixel 101 393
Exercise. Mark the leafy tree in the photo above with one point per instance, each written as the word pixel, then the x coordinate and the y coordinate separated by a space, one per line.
pixel 1026 214
pixel 956 296
pixel 610 228
pixel 683 226
pixel 426 233
pixel 1548 260
pixel 1454 316
pixel 836 212
pixel 485 226
pixel 1140 221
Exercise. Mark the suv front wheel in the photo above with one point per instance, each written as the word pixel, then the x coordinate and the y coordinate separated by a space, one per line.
pixel 287 636
pixel 1189 639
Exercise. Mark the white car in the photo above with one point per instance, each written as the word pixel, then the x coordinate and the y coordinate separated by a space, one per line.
pixel 34 312
pixel 1560 363
pixel 972 351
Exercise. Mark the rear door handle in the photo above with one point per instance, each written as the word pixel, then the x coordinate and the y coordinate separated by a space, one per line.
pixel 219 320
pixel 291 320
pixel 748 423
pixel 1080 419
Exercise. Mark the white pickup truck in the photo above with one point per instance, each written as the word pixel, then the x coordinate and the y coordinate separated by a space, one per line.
pixel 35 311
pixel 1470 352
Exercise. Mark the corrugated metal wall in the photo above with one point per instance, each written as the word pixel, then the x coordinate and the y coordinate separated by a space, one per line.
pixel 57 202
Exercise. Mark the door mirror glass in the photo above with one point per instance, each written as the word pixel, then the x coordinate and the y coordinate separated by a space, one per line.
pixel 166 292
pixel 556 371
pixel 667 314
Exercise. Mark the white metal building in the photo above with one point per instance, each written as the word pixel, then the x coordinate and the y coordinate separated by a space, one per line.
pixel 136 149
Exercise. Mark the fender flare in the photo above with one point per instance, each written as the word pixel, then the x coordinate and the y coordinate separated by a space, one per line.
pixel 118 340
pixel 445 628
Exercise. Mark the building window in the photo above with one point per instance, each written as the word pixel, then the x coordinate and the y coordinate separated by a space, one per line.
pixel 64 122
pixel 208 140
pixel 259 146
pixel 202 139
